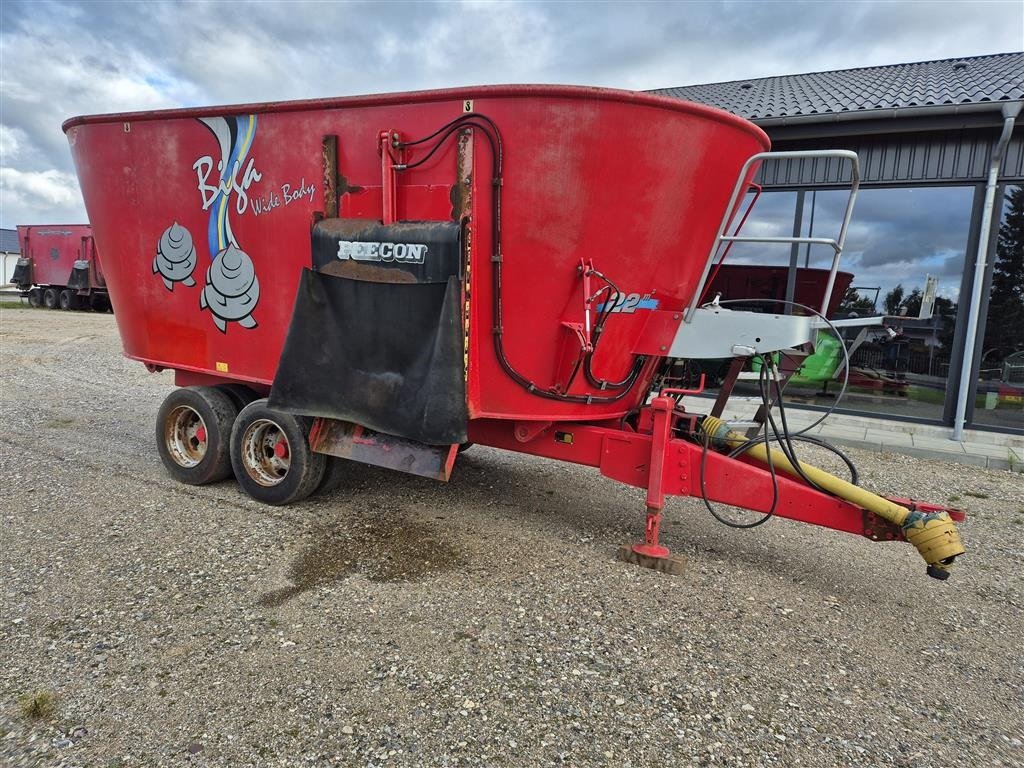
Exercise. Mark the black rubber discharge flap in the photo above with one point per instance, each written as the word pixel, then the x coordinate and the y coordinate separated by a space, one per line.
pixel 79 277
pixel 22 273
pixel 376 331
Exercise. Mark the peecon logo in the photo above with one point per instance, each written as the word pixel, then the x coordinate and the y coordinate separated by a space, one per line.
pixel 407 253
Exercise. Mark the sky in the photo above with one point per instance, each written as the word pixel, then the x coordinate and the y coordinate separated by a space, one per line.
pixel 58 60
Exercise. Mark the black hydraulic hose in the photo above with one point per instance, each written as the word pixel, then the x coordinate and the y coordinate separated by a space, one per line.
pixel 588 371
pixel 784 444
pixel 854 474
pixel 846 353
pixel 771 470
pixel 787 441
pixel 490 131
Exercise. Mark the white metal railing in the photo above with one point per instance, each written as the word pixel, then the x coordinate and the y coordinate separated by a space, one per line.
pixel 836 244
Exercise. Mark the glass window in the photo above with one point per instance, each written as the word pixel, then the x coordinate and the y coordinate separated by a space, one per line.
pixel 904 258
pixel 999 398
pixel 905 252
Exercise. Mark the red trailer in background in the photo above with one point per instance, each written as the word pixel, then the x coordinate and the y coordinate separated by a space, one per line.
pixel 60 267
pixel 763 282
pixel 388 279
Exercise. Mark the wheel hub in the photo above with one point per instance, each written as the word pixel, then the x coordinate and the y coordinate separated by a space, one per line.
pixel 185 436
pixel 266 455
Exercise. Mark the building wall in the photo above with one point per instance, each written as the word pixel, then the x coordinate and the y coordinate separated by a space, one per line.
pixel 904 158
pixel 8 261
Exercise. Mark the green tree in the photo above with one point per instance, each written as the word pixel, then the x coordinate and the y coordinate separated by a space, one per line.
pixel 1004 328
pixel 893 300
pixel 854 303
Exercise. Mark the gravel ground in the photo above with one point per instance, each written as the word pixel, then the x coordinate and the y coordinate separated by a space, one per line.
pixel 399 621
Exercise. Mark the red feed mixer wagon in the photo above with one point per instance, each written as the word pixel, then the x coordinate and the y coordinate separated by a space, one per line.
pixel 388 279
pixel 60 267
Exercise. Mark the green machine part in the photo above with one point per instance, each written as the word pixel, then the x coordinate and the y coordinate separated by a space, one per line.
pixel 816 368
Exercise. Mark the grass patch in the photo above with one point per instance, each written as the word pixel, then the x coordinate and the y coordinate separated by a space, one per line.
pixel 58 422
pixel 976 494
pixel 15 305
pixel 40 705
pixel 953 499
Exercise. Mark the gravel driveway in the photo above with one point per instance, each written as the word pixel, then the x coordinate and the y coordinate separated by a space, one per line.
pixel 402 622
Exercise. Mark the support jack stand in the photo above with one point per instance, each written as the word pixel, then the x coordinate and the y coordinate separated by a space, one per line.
pixel 651 554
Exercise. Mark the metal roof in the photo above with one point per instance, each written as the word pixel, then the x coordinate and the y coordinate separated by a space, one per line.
pixel 971 80
pixel 9 241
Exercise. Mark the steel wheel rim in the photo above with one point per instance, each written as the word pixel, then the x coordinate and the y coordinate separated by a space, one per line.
pixel 186 436
pixel 266 453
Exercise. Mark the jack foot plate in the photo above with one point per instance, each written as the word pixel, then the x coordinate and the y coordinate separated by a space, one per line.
pixel 670 564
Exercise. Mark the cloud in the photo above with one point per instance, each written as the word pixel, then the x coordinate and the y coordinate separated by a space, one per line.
pixel 26 192
pixel 65 59
pixel 45 187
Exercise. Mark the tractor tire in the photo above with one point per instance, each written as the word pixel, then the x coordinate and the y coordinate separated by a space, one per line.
pixel 51 298
pixel 193 432
pixel 335 472
pixel 271 456
pixel 35 298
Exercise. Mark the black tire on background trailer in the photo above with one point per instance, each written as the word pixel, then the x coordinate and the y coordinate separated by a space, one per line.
pixel 68 299
pixel 335 471
pixel 193 432
pixel 51 299
pixel 35 298
pixel 98 302
pixel 271 456
pixel 240 394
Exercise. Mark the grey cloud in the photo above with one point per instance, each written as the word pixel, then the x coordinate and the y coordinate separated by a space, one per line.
pixel 103 57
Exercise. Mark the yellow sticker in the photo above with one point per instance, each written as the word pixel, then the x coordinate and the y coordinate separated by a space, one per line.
pixel 222 367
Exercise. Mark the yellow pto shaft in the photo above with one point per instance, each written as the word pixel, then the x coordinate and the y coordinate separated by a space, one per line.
pixel 933 534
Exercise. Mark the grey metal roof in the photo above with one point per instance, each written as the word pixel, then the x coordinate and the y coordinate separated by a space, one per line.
pixel 9 241
pixel 972 80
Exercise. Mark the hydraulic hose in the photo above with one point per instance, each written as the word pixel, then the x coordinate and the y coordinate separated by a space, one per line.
pixel 933 534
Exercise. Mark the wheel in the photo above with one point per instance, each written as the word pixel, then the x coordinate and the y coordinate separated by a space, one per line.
pixel 98 302
pixel 463 447
pixel 335 471
pixel 35 297
pixel 193 431
pixel 68 299
pixel 240 394
pixel 51 298
pixel 271 456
